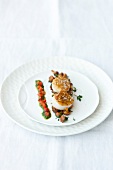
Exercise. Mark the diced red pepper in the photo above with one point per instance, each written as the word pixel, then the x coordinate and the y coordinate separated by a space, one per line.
pixel 40 88
pixel 44 100
pixel 46 109
pixel 44 105
pixel 40 94
pixel 40 83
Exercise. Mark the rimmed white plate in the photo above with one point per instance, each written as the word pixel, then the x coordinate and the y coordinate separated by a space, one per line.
pixel 13 83
pixel 81 110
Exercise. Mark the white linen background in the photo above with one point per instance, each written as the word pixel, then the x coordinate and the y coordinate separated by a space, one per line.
pixel 41 28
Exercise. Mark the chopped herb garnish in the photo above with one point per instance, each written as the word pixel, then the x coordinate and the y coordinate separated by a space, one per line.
pixel 56 75
pixel 74 119
pixel 66 118
pixel 46 117
pixel 74 89
pixel 79 97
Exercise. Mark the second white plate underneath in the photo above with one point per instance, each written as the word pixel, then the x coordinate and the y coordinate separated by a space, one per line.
pixel 81 110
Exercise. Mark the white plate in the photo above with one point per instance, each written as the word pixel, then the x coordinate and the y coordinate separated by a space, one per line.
pixel 81 110
pixel 12 84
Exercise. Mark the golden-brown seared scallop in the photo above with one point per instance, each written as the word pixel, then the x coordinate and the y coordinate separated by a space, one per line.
pixel 62 100
pixel 61 83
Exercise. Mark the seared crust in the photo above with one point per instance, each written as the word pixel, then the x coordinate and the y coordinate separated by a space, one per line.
pixel 61 83
pixel 64 99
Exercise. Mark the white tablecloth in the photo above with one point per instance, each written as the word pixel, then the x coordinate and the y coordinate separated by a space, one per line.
pixel 30 29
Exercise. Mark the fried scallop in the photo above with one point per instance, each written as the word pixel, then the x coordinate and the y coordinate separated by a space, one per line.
pixel 62 100
pixel 61 83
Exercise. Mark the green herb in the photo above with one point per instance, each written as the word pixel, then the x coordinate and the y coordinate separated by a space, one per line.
pixel 36 81
pixel 46 117
pixel 74 89
pixel 71 94
pixel 74 119
pixel 79 97
pixel 66 118
pixel 56 75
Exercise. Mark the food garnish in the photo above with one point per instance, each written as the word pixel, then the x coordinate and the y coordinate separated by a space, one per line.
pixel 42 99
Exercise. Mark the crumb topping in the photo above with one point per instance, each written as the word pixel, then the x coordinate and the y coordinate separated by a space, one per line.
pixel 63 98
pixel 62 83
